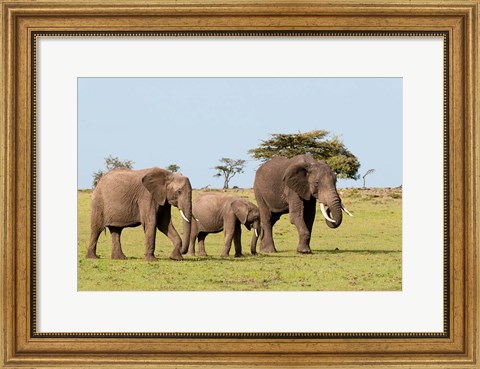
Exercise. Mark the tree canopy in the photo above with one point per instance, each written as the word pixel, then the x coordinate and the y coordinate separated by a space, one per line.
pixel 111 162
pixel 174 168
pixel 319 143
pixel 228 168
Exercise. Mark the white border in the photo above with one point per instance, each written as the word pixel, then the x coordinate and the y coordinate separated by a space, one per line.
pixel 418 308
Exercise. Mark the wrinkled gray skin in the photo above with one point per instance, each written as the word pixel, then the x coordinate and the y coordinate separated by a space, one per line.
pixel 129 198
pixel 295 186
pixel 213 213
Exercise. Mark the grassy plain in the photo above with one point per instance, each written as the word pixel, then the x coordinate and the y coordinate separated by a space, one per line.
pixel 363 254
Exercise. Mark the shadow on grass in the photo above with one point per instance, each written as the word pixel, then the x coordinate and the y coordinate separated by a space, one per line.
pixel 231 258
pixel 283 254
pixel 294 255
pixel 248 257
pixel 186 259
pixel 372 252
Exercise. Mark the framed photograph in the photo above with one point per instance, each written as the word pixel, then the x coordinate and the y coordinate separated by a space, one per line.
pixel 237 184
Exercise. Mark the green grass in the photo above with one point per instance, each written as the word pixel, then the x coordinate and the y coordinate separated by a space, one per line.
pixel 363 254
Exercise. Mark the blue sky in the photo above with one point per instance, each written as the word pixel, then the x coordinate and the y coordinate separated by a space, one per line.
pixel 193 122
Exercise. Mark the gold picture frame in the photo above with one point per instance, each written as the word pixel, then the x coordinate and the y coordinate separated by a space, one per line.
pixel 22 21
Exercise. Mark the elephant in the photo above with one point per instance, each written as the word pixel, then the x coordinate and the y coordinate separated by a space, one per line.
pixel 213 213
pixel 129 198
pixel 294 186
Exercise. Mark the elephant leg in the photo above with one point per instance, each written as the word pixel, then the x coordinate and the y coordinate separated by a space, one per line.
pixel 201 243
pixel 92 247
pixel 227 245
pixel 297 217
pixel 266 241
pixel 267 244
pixel 267 220
pixel 150 229
pixel 237 240
pixel 309 212
pixel 117 252
pixel 169 230
pixel 96 228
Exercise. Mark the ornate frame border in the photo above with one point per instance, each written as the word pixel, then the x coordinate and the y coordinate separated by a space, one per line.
pixel 458 346
pixel 33 245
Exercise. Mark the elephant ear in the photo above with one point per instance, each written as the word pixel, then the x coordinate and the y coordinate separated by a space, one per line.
pixel 156 183
pixel 240 208
pixel 296 178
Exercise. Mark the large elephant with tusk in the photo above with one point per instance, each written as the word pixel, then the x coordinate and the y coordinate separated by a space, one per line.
pixel 129 198
pixel 294 186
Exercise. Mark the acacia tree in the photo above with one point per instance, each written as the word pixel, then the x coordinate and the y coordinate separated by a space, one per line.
pixel 228 169
pixel 319 143
pixel 370 171
pixel 174 168
pixel 111 162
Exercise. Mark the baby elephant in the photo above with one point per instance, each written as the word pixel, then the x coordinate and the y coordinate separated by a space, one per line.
pixel 214 212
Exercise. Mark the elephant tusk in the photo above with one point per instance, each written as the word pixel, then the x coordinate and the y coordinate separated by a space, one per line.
pixel 346 210
pixel 184 217
pixel 324 212
pixel 256 233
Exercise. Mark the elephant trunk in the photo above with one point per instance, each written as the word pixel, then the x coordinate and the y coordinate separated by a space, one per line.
pixel 332 210
pixel 186 213
pixel 187 227
pixel 256 234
